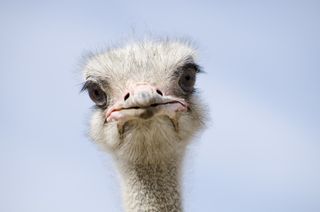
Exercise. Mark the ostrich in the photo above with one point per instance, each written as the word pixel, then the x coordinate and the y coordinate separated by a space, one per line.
pixel 146 112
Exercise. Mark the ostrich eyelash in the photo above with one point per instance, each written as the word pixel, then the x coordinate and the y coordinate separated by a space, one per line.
pixel 193 66
pixel 189 65
pixel 89 83
pixel 85 86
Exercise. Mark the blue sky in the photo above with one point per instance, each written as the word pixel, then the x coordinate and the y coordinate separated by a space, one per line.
pixel 260 151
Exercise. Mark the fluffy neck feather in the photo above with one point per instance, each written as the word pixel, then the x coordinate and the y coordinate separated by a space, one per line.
pixel 151 187
pixel 151 173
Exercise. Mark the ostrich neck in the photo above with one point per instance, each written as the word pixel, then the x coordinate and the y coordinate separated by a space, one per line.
pixel 151 187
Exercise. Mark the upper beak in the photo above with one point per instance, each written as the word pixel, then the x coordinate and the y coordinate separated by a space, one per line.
pixel 145 101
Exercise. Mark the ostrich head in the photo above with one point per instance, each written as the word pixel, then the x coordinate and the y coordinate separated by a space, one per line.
pixel 147 108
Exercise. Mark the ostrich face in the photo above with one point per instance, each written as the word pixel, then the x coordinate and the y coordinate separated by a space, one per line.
pixel 146 106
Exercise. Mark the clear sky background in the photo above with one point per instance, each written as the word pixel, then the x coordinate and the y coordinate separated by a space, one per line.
pixel 261 149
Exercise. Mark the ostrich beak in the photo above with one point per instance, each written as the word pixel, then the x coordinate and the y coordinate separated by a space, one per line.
pixel 144 102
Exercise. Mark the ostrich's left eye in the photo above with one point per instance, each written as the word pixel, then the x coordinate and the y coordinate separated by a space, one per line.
pixel 187 80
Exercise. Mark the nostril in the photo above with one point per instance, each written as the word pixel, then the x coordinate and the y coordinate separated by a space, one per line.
pixel 159 92
pixel 126 96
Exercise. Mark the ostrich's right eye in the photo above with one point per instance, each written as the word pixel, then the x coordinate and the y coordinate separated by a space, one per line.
pixel 96 94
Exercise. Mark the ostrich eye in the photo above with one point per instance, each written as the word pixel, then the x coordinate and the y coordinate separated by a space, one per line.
pixel 187 79
pixel 96 94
